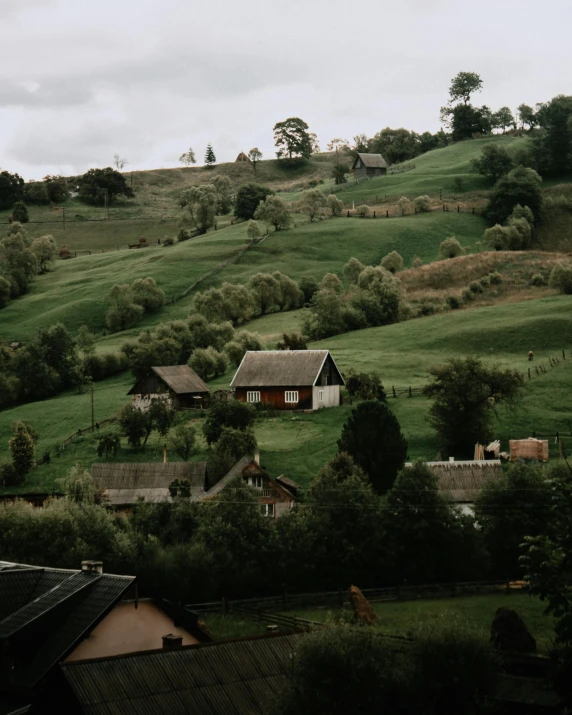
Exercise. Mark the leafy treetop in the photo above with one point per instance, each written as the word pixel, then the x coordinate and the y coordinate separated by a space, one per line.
pixel 292 138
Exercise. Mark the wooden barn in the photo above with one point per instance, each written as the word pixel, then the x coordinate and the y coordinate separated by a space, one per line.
pixel 176 383
pixel 289 379
pixel 461 482
pixel 123 485
pixel 366 165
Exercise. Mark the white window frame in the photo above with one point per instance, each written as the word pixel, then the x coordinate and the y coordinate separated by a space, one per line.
pixel 291 397
pixel 253 396
pixel 320 395
pixel 267 510
pixel 255 481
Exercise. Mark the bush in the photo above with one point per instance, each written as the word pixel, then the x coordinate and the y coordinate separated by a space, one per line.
pixel 538 280
pixel 36 193
pixel 404 205
pixel 208 363
pixel 495 278
pixel 20 212
pixel 9 477
pixel 467 295
pixel 422 204
pixel 236 414
pixel 450 248
pixel 352 269
pixel 183 235
pixel 453 302
pixel 416 262
pixel 485 281
pixel 168 241
pixel 362 210
pixel 476 287
pixel 561 277
pixel 392 262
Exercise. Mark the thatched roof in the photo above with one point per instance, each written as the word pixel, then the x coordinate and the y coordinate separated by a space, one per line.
pixel 372 161
pixel 461 482
pixel 180 379
pixel 123 484
pixel 281 368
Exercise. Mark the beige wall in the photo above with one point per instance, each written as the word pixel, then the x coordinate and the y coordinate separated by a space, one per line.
pixel 331 396
pixel 128 629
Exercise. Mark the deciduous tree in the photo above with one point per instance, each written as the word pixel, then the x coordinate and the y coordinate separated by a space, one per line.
pixel 312 203
pixel 45 249
pixel 292 139
pixel 201 203
pixel 11 189
pixel 248 197
pixel 99 185
pixel 493 162
pixel 274 211
pixel 254 155
pixel 188 158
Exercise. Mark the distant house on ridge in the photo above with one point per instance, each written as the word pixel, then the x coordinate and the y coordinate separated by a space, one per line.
pixel 289 379
pixel 180 385
pixel 369 165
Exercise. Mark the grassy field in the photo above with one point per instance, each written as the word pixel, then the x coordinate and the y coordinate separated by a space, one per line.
pixel 405 617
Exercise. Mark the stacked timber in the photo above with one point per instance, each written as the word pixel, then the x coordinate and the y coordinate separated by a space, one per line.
pixel 530 448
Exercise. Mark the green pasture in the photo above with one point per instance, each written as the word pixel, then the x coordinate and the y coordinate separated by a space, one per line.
pixel 404 618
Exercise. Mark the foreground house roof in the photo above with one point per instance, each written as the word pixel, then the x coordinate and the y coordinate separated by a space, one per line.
pixel 180 379
pixel 281 368
pixel 372 161
pixel 241 677
pixel 53 609
pixel 127 483
pixel 461 482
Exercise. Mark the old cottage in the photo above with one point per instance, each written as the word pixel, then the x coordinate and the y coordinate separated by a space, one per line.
pixel 276 496
pixel 289 379
pixel 366 165
pixel 178 384
pixel 123 485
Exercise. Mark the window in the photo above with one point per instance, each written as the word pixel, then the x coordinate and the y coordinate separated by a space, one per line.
pixel 291 396
pixel 320 395
pixel 255 481
pixel 253 396
pixel 267 509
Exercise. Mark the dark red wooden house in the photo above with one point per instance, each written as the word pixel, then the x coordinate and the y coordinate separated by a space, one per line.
pixel 289 379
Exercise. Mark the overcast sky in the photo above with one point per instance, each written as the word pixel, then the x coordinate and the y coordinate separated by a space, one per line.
pixel 83 80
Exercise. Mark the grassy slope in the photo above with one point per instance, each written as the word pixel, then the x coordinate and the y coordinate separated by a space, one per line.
pixel 298 445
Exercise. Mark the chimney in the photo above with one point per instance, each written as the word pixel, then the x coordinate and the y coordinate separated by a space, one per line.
pixel 172 642
pixel 164 454
pixel 257 457
pixel 451 459
pixel 92 566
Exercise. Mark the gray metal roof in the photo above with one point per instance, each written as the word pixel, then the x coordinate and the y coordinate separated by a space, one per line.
pixel 281 368
pixel 461 482
pixel 129 482
pixel 55 613
pixel 235 677
pixel 181 379
pixel 372 161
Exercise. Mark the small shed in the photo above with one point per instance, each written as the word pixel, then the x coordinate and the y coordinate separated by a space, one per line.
pixel 289 379
pixel 461 482
pixel 241 157
pixel 177 383
pixel 366 165
pixel 123 485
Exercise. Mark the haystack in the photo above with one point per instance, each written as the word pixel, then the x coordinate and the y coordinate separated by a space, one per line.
pixel 509 632
pixel 242 157
pixel 363 612
pixel 530 448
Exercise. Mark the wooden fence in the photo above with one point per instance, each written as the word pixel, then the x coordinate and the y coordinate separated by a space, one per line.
pixel 87 430
pixel 340 598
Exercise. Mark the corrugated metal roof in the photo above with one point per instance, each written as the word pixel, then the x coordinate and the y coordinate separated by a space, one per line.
pixel 280 368
pixel 127 482
pixel 232 678
pixel 180 378
pixel 373 161
pixel 461 482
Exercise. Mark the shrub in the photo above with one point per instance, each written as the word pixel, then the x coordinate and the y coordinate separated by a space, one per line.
pixel 538 280
pixel 426 307
pixel 416 262
pixel 392 262
pixel 335 205
pixel 453 302
pixel 352 269
pixel 422 204
pixel 476 287
pixel 450 248
pixel 561 277
pixel 183 235
pixel 495 278
pixel 467 295
pixel 169 241
pixel 459 183
pixel 362 210
pixel 9 477
pixel 485 281
pixel 20 212
pixel 405 205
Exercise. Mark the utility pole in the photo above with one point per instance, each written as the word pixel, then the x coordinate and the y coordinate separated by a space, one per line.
pixel 92 410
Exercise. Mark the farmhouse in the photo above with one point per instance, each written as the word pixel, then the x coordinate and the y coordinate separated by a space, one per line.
pixel 289 379
pixel 366 165
pixel 276 496
pixel 461 482
pixel 123 485
pixel 178 384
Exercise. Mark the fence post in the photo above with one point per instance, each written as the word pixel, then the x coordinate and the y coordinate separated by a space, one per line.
pixel 393 390
pixel 473 209
pixel 387 213
pixel 529 373
pixel 458 208
pixel 443 207
pixel 563 355
pixel 374 214
pixel 348 214
pixel 410 392
pixel 534 433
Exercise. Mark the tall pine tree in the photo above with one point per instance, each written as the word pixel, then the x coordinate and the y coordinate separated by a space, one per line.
pixel 210 158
